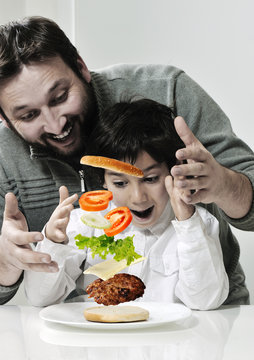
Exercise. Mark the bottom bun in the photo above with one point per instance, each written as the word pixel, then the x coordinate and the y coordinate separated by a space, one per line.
pixel 115 313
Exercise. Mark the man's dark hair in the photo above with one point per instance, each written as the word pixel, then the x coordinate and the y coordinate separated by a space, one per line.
pixel 127 128
pixel 33 39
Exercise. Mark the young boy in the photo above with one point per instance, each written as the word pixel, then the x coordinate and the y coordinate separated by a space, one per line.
pixel 184 261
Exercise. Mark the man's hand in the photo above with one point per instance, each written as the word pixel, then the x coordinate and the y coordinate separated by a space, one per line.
pixel 16 253
pixel 57 224
pixel 208 180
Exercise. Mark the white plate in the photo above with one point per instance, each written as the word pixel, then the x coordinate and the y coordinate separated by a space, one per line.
pixel 72 314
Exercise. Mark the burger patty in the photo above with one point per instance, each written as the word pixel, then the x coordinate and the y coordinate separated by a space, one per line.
pixel 118 289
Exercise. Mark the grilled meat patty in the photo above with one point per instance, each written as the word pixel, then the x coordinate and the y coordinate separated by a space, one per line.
pixel 118 289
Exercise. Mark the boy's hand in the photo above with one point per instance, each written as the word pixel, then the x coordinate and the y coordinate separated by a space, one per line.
pixel 182 210
pixel 56 227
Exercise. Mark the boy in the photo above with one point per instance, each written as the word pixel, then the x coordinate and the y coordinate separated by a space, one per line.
pixel 184 261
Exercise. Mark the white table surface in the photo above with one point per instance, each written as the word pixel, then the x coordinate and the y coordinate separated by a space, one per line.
pixel 224 334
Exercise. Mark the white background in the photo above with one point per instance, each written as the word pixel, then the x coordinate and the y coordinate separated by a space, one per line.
pixel 213 41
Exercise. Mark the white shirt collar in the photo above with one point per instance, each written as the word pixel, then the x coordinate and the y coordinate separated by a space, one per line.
pixel 161 225
pixel 157 229
pixel 164 220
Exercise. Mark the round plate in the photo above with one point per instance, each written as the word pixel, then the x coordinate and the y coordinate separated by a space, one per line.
pixel 72 314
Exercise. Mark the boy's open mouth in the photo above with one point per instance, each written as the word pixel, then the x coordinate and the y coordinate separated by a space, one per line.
pixel 143 214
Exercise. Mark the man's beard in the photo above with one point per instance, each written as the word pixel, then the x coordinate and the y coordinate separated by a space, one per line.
pixel 86 121
pixel 83 136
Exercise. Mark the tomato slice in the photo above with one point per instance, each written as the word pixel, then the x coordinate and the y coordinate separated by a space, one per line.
pixel 95 200
pixel 120 218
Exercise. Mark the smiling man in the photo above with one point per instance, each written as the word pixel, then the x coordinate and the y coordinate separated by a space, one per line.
pixel 50 102
pixel 55 116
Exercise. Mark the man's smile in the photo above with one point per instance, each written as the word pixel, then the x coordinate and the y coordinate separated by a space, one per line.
pixel 64 135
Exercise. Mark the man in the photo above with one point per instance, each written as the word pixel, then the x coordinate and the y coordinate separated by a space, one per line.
pixel 49 103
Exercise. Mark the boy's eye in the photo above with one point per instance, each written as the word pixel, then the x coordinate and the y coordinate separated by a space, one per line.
pixel 120 183
pixel 151 179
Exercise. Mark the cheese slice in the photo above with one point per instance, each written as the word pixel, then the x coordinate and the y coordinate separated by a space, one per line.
pixel 109 268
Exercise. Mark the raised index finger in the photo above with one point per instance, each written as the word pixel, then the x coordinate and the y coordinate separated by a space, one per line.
pixel 64 193
pixel 184 131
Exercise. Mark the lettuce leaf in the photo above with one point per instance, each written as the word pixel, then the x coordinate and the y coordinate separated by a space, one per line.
pixel 104 245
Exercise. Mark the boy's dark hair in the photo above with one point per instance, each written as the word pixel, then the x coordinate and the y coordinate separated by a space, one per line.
pixel 127 128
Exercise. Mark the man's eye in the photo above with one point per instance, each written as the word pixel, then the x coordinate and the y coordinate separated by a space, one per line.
pixel 59 99
pixel 29 116
pixel 151 179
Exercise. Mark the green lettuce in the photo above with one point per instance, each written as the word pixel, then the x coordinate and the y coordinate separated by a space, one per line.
pixel 104 245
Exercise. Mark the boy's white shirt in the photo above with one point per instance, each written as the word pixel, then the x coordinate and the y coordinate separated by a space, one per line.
pixel 184 262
